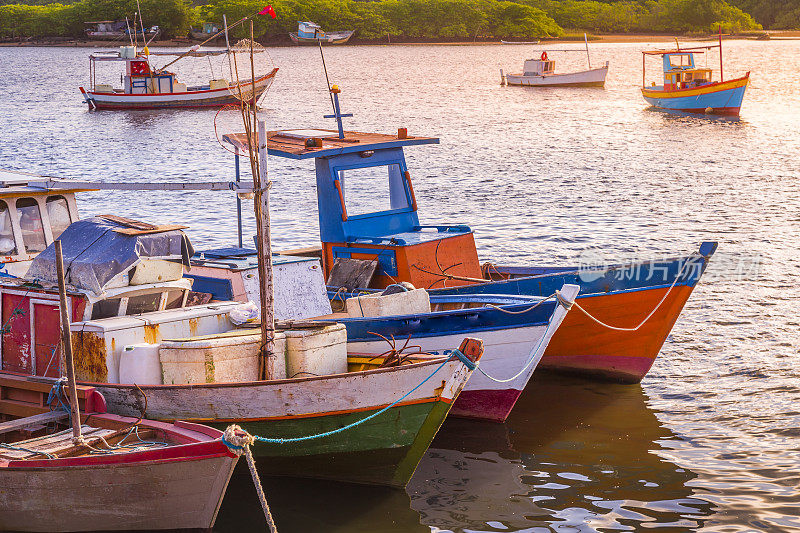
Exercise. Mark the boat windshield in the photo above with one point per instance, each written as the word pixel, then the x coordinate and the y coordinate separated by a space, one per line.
pixel 369 190
pixel 681 60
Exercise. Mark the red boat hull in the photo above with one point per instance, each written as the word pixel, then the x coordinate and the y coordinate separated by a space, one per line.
pixel 176 487
pixel 583 346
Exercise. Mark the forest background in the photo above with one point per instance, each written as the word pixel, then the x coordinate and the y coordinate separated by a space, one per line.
pixel 412 20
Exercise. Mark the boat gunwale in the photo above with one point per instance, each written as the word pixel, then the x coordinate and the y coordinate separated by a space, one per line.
pixel 267 76
pixel 261 383
pixel 734 83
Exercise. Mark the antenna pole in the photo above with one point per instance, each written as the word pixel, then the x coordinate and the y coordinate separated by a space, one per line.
pixel 325 68
pixel 128 25
pixel 588 59
pixel 720 54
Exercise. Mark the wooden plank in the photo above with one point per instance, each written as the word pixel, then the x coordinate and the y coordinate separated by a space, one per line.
pixel 21 423
pixel 156 229
pixel 129 222
pixel 352 273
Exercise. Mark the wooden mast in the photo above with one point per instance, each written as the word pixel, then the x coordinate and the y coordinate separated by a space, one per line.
pixel 721 78
pixel 66 344
pixel 263 244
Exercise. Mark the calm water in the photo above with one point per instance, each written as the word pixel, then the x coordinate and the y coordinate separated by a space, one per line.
pixel 710 440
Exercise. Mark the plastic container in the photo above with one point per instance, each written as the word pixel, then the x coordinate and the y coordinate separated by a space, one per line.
pixel 402 303
pixel 218 84
pixel 220 358
pixel 316 352
pixel 140 364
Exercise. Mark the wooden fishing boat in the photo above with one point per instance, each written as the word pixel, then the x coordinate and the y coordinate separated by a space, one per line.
pixel 128 302
pixel 632 306
pixel 689 88
pixel 146 87
pixel 541 72
pixel 515 336
pixel 515 330
pixel 131 474
pixel 311 33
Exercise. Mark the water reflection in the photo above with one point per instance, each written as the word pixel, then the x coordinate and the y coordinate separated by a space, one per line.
pixel 574 455
pixel 305 505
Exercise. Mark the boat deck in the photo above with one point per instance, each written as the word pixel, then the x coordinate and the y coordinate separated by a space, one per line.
pixel 56 444
pixel 292 143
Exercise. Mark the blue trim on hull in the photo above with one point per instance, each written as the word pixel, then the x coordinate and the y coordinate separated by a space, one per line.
pixel 730 98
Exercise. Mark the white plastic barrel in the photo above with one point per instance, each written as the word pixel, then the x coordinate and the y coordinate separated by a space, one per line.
pixel 139 363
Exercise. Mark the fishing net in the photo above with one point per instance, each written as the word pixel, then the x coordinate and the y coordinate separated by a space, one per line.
pixel 241 69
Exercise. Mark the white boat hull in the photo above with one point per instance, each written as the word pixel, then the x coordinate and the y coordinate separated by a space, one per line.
pixel 587 78
pixel 201 98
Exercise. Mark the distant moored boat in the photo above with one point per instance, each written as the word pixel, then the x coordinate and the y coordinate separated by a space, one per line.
pixel 687 87
pixel 311 33
pixel 541 72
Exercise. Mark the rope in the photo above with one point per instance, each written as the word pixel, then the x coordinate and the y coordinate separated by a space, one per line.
pixel 649 316
pixel 555 295
pixel 56 394
pixel 239 442
pixel 531 358
pixel 280 440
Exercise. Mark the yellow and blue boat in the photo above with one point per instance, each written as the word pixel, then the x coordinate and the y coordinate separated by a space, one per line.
pixel 689 88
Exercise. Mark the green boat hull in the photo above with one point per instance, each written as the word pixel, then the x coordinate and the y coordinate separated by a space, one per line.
pixel 382 451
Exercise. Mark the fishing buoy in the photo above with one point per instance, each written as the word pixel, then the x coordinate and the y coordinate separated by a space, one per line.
pixel 146 51
pixel 709 110
pixel 335 89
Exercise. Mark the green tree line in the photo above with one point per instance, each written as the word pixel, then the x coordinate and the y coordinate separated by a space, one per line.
pixel 409 20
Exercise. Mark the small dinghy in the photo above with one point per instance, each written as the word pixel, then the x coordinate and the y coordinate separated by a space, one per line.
pixel 124 474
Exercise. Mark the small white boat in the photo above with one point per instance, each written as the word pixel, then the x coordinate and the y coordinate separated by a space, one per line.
pixel 541 72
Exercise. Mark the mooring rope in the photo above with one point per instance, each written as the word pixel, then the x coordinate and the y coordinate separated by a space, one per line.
pixel 239 442
pixel 466 361
pixel 531 308
pixel 650 315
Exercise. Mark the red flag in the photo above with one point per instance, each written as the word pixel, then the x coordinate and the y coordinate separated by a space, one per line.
pixel 268 11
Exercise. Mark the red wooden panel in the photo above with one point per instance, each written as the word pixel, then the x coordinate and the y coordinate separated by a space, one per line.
pixel 16 333
pixel 47 336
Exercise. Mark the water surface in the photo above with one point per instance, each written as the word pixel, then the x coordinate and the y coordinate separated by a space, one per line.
pixel 709 441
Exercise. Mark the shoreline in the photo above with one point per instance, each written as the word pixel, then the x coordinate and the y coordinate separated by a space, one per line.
pixel 594 38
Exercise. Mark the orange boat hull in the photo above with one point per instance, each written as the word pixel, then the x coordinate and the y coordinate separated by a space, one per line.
pixel 582 346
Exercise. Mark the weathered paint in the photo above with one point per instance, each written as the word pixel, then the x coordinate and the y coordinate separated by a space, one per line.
pixel 583 346
pixel 178 487
pixel 90 356
pixel 393 442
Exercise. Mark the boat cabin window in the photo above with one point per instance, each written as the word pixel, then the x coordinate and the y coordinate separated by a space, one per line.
pixel 7 244
pixel 58 213
pixel 105 308
pixel 373 189
pixel 144 303
pixel 680 60
pixel 30 222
